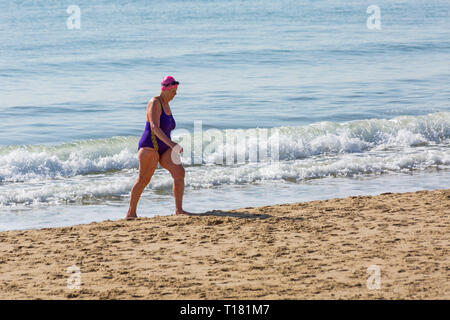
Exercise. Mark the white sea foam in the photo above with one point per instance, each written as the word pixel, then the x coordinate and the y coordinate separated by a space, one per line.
pixel 34 163
pixel 95 169
pixel 87 189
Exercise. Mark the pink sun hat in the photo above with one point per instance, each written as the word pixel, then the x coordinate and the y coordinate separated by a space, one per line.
pixel 168 83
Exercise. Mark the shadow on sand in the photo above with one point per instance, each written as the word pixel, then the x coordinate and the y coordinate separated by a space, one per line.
pixel 242 215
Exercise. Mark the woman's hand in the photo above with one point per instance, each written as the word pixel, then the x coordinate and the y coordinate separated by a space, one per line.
pixel 177 148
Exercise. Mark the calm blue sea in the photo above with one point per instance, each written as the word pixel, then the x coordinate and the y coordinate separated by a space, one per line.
pixel 361 108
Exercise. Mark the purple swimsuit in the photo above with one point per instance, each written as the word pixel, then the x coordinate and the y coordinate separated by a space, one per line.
pixel 149 139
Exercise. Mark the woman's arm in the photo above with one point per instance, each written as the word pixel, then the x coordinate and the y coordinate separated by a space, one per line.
pixel 154 110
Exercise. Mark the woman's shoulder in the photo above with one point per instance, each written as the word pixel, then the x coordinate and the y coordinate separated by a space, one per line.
pixel 153 100
pixel 153 107
pixel 156 98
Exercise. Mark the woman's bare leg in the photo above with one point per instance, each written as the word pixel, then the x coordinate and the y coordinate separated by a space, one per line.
pixel 148 161
pixel 177 171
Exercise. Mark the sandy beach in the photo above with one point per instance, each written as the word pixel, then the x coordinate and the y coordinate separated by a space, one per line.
pixel 389 246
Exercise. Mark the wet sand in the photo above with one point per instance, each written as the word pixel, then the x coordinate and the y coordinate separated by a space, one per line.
pixel 310 250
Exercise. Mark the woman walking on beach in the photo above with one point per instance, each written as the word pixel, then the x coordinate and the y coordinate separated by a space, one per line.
pixel 156 145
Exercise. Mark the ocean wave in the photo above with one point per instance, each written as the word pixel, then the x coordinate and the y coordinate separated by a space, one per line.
pixel 37 163
pixel 31 163
pixel 116 187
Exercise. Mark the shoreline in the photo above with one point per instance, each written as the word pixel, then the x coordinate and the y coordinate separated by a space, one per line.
pixel 322 249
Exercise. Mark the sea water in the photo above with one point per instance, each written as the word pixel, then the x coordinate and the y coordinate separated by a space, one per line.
pixel 357 93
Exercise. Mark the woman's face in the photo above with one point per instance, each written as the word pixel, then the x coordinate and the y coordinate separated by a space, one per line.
pixel 173 92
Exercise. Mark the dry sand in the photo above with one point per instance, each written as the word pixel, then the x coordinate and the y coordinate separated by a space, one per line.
pixel 311 250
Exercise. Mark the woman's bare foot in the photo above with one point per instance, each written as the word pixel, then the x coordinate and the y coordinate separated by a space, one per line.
pixel 131 216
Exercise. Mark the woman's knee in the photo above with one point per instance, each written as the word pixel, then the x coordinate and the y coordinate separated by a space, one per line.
pixel 178 173
pixel 143 181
